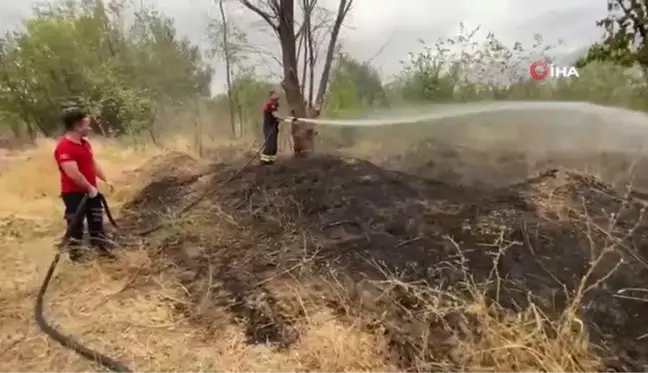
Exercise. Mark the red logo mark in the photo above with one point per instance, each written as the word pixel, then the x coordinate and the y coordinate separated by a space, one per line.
pixel 539 70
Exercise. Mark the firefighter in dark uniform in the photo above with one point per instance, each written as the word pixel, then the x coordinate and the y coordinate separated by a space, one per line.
pixel 271 119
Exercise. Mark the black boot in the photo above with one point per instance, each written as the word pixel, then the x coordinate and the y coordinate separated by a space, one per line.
pixel 75 254
pixel 75 251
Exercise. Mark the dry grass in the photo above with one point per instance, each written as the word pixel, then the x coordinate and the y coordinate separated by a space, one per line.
pixel 94 302
pixel 127 308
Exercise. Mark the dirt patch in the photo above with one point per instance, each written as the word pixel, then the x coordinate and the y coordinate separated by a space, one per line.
pixel 12 143
pixel 408 254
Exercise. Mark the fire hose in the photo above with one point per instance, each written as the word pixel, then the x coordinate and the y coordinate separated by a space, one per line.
pixel 68 341
pixel 56 335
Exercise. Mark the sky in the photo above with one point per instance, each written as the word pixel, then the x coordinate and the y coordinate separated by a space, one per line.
pixel 385 31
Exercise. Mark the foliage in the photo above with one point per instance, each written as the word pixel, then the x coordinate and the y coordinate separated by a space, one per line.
pixel 249 92
pixel 464 69
pixel 229 43
pixel 237 48
pixel 624 40
pixel 354 84
pixel 355 87
pixel 127 65
pixel 80 53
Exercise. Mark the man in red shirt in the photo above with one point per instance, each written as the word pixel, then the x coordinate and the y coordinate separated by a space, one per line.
pixel 79 172
pixel 271 120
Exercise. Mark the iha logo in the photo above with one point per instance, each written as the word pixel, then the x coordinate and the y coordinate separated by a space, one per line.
pixel 541 70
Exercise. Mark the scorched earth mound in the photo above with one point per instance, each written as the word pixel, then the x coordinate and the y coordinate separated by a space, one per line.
pixel 409 255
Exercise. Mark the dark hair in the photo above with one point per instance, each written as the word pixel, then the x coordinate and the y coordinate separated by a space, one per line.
pixel 71 117
pixel 272 92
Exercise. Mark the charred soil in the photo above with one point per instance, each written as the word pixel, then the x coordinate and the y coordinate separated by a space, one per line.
pixel 409 256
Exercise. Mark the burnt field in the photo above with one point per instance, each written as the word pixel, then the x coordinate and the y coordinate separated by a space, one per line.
pixel 527 265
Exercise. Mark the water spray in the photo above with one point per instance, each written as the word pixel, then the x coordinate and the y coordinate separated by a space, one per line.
pixel 438 112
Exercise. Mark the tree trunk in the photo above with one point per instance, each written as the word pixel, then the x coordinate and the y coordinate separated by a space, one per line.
pixel 311 68
pixel 282 21
pixel 228 69
pixel 305 65
pixel 343 9
pixel 302 134
pixel 303 43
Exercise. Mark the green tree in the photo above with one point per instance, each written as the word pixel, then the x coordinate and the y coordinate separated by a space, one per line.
pixel 462 69
pixel 250 91
pixel 625 33
pixel 354 84
pixel 79 53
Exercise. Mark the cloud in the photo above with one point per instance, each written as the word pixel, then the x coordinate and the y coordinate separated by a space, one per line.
pixel 394 27
pixel 13 13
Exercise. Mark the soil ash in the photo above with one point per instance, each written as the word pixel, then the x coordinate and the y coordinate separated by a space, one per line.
pixel 400 250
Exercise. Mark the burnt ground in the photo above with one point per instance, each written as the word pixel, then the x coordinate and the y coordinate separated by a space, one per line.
pixel 353 231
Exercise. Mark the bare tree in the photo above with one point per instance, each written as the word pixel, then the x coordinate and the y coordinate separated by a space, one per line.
pixel 280 16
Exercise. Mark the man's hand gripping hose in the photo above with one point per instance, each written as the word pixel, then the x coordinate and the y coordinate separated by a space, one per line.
pixel 69 342
pixel 56 335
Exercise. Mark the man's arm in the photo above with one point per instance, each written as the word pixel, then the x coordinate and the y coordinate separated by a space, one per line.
pixel 273 108
pixel 100 172
pixel 71 169
pixel 275 113
pixel 282 118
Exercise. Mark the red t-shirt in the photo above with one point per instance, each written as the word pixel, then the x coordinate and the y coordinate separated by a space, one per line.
pixel 68 150
pixel 269 107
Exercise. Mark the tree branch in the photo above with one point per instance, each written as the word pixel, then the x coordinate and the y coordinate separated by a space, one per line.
pixel 343 10
pixel 264 15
